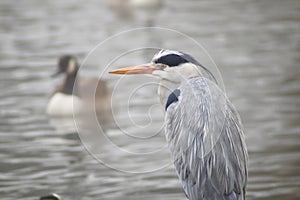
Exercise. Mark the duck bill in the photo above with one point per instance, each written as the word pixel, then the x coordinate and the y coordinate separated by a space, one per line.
pixel 139 69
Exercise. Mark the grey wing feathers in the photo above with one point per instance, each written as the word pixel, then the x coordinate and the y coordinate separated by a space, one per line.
pixel 204 134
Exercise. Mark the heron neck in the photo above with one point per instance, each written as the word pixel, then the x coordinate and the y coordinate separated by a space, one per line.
pixel 171 78
pixel 165 88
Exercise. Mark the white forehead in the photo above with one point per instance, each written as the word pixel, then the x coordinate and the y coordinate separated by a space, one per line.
pixel 165 52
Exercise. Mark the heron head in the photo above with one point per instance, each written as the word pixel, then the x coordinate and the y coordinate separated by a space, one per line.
pixel 168 64
pixel 172 67
pixel 164 60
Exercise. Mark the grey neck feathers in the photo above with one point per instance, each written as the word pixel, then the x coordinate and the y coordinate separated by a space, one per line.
pixel 172 78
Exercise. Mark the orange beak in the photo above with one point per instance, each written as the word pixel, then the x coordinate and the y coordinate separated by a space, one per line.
pixel 139 69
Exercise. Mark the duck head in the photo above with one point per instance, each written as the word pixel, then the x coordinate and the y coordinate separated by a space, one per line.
pixel 66 64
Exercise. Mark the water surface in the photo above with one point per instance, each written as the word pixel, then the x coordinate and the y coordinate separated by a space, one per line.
pixel 254 43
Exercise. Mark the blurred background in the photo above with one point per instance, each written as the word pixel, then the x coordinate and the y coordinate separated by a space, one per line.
pixel 256 45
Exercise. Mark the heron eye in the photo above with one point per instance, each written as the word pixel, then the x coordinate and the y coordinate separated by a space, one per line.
pixel 161 66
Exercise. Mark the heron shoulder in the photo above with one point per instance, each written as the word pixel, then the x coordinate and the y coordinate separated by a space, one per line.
pixel 196 93
pixel 173 97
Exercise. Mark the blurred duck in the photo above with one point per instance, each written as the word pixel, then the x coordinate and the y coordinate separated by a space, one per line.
pixel 75 93
pixel 51 197
pixel 126 8
pixel 135 3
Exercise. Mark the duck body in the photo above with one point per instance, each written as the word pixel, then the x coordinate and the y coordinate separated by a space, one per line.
pixel 62 104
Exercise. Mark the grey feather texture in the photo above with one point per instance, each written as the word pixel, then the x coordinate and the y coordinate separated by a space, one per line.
pixel 204 134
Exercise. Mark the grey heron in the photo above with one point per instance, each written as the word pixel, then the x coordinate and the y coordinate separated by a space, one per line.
pixel 202 128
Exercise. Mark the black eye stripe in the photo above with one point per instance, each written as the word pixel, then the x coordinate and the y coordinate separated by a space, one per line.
pixel 171 60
